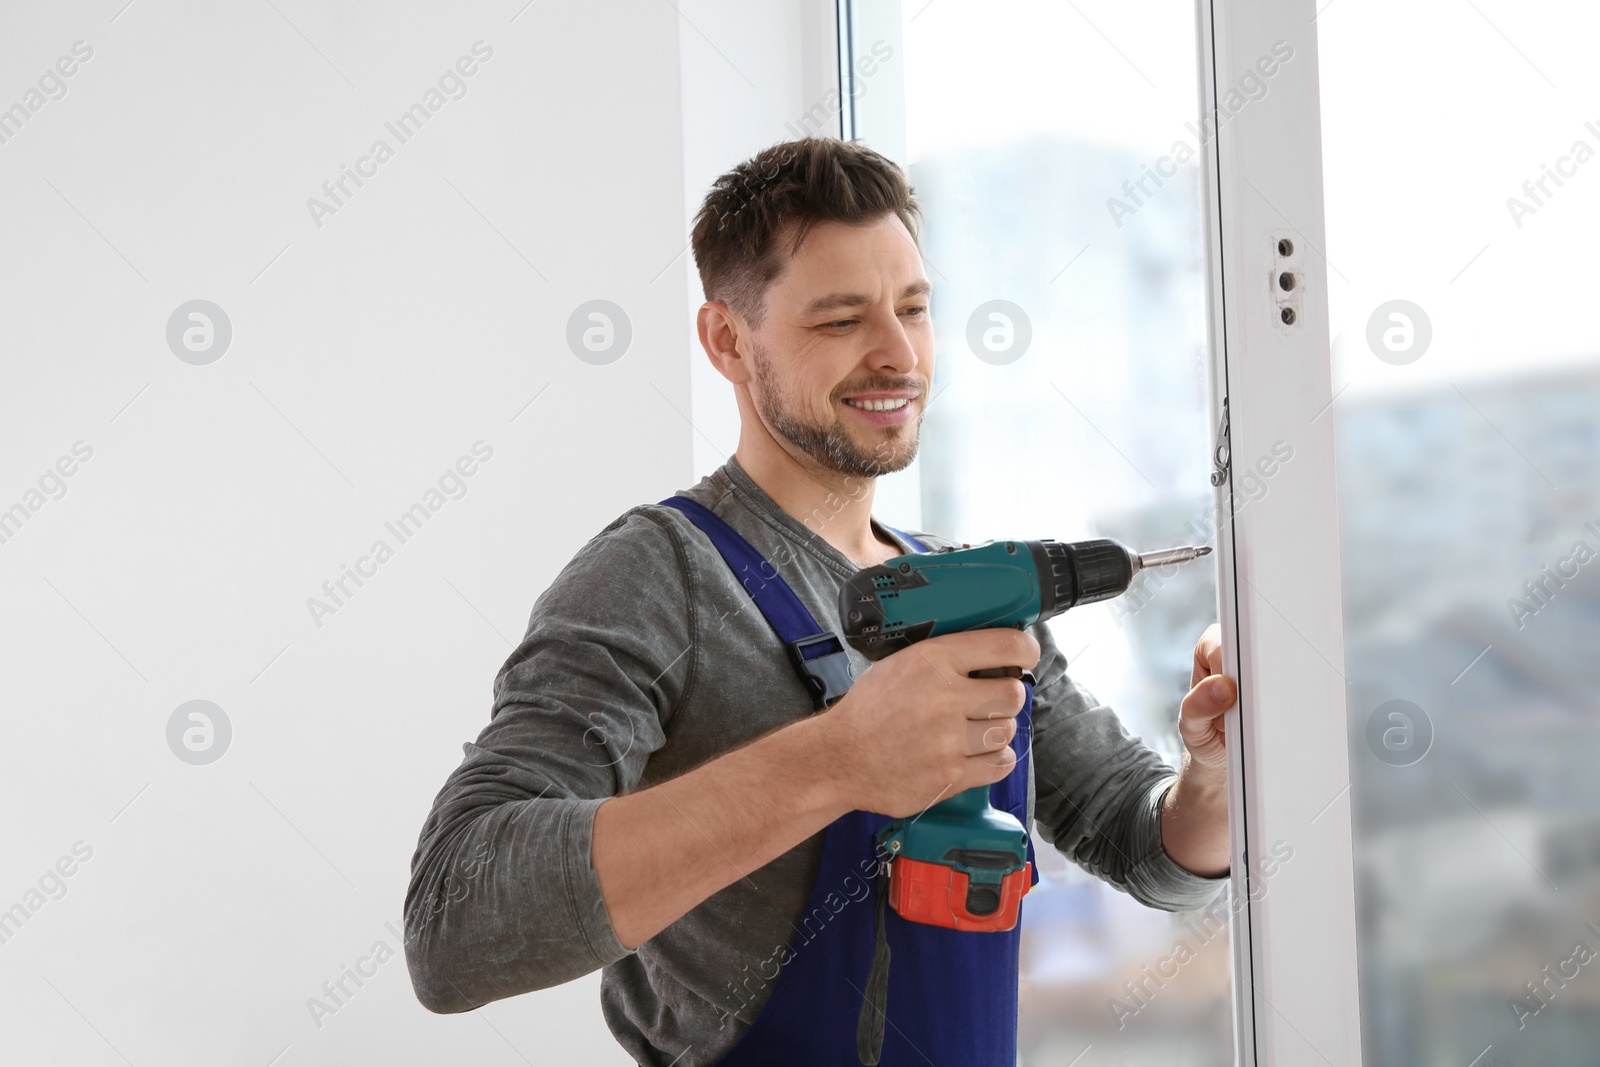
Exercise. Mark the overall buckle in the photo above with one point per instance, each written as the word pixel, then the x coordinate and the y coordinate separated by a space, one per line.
pixel 824 666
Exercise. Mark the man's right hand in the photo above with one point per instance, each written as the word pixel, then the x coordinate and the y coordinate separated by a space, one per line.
pixel 914 729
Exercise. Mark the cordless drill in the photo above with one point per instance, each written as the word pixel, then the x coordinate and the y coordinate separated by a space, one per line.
pixel 961 863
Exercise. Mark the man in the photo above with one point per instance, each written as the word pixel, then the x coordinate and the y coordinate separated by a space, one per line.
pixel 659 794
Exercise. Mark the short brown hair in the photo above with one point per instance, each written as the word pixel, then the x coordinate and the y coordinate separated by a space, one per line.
pixel 791 186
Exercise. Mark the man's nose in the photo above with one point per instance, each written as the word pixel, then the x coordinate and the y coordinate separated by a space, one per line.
pixel 892 349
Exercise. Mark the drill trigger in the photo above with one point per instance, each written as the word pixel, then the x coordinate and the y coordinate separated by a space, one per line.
pixel 996 672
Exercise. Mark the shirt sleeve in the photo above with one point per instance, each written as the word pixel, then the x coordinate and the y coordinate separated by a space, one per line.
pixel 503 897
pixel 1099 791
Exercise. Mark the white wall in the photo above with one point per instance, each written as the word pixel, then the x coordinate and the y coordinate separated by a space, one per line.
pixel 368 353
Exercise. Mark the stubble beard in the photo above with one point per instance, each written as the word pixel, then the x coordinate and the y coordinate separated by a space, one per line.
pixel 831 445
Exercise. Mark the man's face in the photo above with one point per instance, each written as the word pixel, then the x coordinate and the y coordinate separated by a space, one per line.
pixel 843 359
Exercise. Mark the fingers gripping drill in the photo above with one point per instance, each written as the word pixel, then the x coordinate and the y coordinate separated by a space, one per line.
pixel 961 863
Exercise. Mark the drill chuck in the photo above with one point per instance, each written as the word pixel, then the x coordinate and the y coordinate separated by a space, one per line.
pixel 1081 572
pixel 1085 572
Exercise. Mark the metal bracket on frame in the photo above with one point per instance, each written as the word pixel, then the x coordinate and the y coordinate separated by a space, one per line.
pixel 1221 450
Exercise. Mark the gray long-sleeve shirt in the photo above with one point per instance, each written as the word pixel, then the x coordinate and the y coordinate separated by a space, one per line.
pixel 644 659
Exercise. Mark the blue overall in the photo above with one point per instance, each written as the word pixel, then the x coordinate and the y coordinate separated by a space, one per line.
pixel 953 997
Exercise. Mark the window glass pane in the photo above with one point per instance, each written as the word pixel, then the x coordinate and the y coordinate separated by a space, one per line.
pixel 1463 200
pixel 1053 149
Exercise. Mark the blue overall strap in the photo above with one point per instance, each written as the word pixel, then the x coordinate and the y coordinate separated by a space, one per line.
pixel 912 541
pixel 818 655
pixel 954 991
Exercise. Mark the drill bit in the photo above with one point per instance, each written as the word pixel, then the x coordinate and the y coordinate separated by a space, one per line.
pixel 1168 556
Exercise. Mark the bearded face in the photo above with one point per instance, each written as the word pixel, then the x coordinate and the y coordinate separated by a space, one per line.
pixel 838 357
pixel 834 438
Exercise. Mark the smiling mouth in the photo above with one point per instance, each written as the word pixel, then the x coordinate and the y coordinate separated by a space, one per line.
pixel 878 405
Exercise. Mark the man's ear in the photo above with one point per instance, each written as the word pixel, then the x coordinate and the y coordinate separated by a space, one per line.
pixel 724 335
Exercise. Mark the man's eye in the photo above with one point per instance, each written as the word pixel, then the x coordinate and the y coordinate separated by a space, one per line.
pixel 841 322
pixel 918 311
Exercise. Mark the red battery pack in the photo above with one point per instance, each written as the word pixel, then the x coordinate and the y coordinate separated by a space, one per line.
pixel 937 895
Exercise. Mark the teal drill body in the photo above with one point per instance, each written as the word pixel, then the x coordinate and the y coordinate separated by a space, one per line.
pixel 995 584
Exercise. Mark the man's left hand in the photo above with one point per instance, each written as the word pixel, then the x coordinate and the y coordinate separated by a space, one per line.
pixel 1194 816
pixel 1200 716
